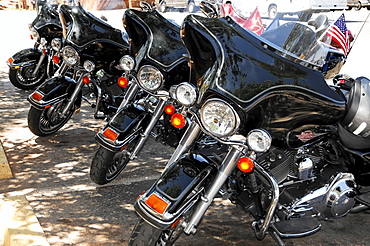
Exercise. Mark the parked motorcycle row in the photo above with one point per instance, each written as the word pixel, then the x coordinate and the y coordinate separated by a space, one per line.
pixel 250 117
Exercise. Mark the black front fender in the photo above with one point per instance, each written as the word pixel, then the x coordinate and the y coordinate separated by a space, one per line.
pixel 180 186
pixel 126 123
pixel 53 90
pixel 24 56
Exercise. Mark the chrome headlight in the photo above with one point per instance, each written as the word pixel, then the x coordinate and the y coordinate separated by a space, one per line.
pixel 259 140
pixel 56 44
pixel 186 94
pixel 89 66
pixel 70 56
pixel 150 78
pixel 35 35
pixel 127 63
pixel 219 118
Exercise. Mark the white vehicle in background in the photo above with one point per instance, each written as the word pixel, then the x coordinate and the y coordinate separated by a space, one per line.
pixel 358 4
pixel 305 8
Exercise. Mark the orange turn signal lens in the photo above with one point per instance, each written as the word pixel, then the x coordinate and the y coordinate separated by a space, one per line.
pixel 86 79
pixel 122 81
pixel 56 59
pixel 178 120
pixel 109 133
pixel 37 96
pixel 169 109
pixel 156 203
pixel 245 165
pixel 44 51
pixel 10 60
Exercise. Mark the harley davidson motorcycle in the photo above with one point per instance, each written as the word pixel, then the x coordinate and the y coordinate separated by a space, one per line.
pixel 30 67
pixel 91 51
pixel 156 63
pixel 297 148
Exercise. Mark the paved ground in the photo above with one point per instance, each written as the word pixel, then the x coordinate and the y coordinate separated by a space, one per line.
pixel 52 173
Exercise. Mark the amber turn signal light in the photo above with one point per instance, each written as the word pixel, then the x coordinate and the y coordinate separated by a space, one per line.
pixel 245 165
pixel 56 59
pixel 122 81
pixel 169 109
pixel 109 133
pixel 10 60
pixel 156 203
pixel 86 80
pixel 178 120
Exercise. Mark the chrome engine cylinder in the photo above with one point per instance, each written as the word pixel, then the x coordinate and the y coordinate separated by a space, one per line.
pixel 335 199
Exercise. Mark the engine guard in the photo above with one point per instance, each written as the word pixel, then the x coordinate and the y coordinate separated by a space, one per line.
pixel 179 188
pixel 52 91
pixel 24 56
pixel 124 124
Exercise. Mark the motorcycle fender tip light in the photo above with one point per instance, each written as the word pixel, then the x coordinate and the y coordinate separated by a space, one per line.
pixel 109 133
pixel 10 60
pixel 157 203
pixel 245 165
pixel 178 120
pixel 169 109
pixel 122 82
pixel 86 79
pixel 37 96
pixel 56 59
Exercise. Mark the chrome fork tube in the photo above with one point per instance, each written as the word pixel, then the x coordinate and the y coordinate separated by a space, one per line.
pixel 225 170
pixel 72 99
pixel 42 57
pixel 186 141
pixel 129 95
pixel 62 69
pixel 155 117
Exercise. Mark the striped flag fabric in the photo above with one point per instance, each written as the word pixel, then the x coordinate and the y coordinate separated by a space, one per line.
pixel 339 34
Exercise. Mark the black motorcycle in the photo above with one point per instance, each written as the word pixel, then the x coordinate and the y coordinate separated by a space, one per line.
pixel 91 52
pixel 30 67
pixel 156 64
pixel 298 149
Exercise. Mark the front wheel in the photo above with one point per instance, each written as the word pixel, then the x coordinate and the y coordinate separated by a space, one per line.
pixel 146 235
pixel 191 7
pixel 23 77
pixel 107 165
pixel 43 122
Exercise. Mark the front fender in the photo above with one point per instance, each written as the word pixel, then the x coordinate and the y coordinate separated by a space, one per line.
pixel 24 56
pixel 127 124
pixel 179 187
pixel 53 90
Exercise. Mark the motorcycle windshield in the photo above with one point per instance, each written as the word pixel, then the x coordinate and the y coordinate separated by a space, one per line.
pixel 238 63
pixel 83 28
pixel 155 36
pixel 47 14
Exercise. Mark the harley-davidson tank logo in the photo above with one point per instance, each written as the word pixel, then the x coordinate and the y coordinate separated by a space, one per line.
pixel 308 135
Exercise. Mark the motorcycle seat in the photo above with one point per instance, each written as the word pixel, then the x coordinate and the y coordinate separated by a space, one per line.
pixel 353 141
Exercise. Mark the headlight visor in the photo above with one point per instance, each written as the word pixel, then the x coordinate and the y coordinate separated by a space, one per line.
pixel 219 118
pixel 150 78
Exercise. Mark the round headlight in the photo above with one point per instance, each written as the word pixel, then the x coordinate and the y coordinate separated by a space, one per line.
pixel 219 118
pixel 35 35
pixel 56 44
pixel 259 140
pixel 70 56
pixel 127 63
pixel 89 66
pixel 150 77
pixel 186 94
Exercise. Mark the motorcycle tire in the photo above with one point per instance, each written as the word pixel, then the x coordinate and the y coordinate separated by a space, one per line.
pixel 44 122
pixel 22 78
pixel 107 165
pixel 145 234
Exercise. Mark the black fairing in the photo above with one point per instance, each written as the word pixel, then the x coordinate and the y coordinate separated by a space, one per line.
pixel 270 92
pixel 93 38
pixel 47 21
pixel 156 41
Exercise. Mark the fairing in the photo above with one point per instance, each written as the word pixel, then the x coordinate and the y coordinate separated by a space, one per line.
pixel 274 89
pixel 47 21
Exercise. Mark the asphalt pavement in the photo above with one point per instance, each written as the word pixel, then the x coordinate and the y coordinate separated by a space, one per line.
pixel 52 173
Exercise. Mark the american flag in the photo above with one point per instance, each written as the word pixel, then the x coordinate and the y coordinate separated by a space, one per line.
pixel 339 33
